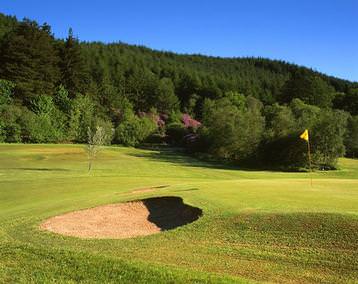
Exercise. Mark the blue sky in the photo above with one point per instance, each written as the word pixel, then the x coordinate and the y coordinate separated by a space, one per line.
pixel 316 33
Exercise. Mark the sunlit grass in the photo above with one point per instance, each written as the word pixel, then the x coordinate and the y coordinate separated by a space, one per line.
pixel 257 225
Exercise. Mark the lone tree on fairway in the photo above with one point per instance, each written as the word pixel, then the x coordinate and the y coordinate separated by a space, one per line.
pixel 94 143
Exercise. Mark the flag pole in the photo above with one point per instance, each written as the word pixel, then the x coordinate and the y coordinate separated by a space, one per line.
pixel 305 136
pixel 309 159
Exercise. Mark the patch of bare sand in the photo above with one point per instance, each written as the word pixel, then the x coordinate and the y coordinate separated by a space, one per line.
pixel 110 221
pixel 124 220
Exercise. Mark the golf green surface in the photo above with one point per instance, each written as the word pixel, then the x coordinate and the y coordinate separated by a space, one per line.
pixel 256 225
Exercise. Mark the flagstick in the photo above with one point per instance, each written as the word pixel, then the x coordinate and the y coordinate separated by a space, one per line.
pixel 309 159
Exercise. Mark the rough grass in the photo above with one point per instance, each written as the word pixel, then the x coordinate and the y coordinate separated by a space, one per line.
pixel 257 225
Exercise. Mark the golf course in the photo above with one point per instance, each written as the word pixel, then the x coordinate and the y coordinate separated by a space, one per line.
pixel 254 226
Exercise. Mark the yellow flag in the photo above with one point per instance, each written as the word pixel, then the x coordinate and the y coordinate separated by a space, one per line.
pixel 304 135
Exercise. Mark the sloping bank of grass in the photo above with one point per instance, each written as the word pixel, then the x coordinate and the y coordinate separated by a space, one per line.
pixel 257 225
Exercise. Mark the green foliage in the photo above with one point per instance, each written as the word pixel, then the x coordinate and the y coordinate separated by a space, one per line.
pixel 305 115
pixel 6 91
pixel 29 59
pixel 165 98
pixel 43 130
pixel 193 104
pixel 48 123
pixel 71 86
pixel 42 105
pixel 74 75
pixel 352 137
pixel 309 88
pixel 140 85
pixel 237 99
pixel 12 123
pixel 287 151
pixel 2 131
pixel 109 71
pixel 174 117
pixel 62 100
pixel 175 133
pixel 347 101
pixel 280 121
pixel 134 130
pixel 328 138
pixel 233 133
pixel 81 118
pixel 126 108
pixel 7 23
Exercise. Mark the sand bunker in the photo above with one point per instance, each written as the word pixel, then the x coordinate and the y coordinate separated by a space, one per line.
pixel 124 220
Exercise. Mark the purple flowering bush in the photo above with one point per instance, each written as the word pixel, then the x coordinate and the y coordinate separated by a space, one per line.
pixel 190 122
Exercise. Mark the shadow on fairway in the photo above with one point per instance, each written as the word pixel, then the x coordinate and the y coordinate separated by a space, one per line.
pixel 170 212
pixel 170 156
pixel 179 157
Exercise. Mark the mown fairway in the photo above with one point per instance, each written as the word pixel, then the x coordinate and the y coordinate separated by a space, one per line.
pixel 257 226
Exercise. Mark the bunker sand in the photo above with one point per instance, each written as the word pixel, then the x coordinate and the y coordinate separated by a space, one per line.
pixel 124 220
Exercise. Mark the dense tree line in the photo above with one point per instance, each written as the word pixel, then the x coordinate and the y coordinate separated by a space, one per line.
pixel 250 109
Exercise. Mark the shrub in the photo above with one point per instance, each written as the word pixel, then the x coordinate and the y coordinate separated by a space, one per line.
pixel 285 152
pixel 48 124
pixel 351 140
pixel 134 130
pixel 328 138
pixel 176 132
pixel 2 131
pixel 11 123
pixel 42 131
pixel 190 122
pixel 233 133
pixel 6 91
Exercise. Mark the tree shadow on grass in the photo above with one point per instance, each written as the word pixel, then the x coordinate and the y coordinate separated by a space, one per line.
pixel 170 212
pixel 176 156
pixel 171 156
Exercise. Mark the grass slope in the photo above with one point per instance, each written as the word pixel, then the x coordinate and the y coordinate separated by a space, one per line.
pixel 257 225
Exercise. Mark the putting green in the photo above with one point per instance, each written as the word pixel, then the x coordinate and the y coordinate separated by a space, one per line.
pixel 256 225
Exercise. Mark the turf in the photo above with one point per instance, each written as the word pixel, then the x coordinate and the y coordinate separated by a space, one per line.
pixel 256 225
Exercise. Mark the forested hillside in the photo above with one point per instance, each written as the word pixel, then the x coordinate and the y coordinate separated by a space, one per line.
pixel 241 109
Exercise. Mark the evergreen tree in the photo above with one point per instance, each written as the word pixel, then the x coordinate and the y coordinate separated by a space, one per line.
pixel 7 23
pixel 309 88
pixel 347 101
pixel 74 75
pixel 165 99
pixel 29 59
